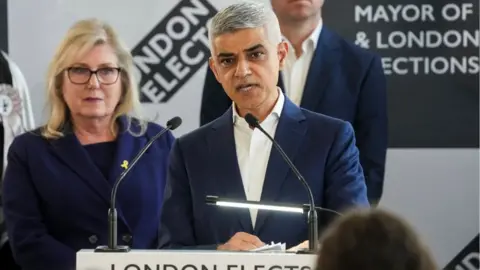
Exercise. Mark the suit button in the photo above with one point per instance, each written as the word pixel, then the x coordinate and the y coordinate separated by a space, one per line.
pixel 127 238
pixel 93 239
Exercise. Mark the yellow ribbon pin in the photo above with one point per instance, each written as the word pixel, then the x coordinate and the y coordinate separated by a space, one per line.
pixel 124 164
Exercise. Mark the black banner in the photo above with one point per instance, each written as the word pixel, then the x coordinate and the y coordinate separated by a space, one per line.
pixel 430 54
pixel 3 26
pixel 467 259
pixel 175 49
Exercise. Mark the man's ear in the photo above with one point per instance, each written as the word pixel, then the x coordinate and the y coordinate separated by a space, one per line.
pixel 282 51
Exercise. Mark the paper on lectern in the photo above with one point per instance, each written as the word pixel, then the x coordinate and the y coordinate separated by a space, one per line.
pixel 277 247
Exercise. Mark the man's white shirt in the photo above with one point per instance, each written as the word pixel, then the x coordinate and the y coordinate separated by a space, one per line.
pixel 253 151
pixel 296 69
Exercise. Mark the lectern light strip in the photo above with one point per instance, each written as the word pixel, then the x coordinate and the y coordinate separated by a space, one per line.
pixel 261 206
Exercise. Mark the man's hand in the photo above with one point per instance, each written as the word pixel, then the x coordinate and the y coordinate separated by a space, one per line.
pixel 242 241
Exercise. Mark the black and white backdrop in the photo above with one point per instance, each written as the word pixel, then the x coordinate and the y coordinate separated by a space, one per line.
pixel 430 53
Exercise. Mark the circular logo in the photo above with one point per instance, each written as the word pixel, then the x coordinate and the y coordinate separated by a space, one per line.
pixel 10 102
pixel 6 105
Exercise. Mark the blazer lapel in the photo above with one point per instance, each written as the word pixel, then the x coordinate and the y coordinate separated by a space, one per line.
pixel 321 69
pixel 226 172
pixel 71 152
pixel 127 148
pixel 289 135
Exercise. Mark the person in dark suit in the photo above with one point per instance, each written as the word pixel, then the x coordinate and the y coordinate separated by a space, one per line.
pixel 227 158
pixel 16 118
pixel 324 73
pixel 59 177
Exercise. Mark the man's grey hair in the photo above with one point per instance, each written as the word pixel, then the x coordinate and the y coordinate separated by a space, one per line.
pixel 245 15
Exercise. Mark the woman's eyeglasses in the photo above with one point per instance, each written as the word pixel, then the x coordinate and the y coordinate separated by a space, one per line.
pixel 105 75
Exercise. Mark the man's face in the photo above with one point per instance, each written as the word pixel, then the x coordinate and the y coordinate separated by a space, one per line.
pixel 296 10
pixel 247 64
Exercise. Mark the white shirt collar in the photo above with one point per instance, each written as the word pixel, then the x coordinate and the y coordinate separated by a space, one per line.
pixel 312 39
pixel 316 34
pixel 276 111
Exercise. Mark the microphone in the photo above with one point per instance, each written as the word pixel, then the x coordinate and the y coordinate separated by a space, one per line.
pixel 312 213
pixel 112 246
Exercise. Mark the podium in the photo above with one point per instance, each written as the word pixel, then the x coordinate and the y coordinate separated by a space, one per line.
pixel 193 260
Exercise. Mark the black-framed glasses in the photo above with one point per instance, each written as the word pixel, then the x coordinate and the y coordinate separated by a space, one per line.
pixel 105 75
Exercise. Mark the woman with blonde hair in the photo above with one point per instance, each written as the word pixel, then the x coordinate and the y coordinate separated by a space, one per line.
pixel 373 239
pixel 59 178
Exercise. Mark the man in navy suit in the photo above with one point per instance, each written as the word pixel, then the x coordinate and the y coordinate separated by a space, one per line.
pixel 227 158
pixel 326 74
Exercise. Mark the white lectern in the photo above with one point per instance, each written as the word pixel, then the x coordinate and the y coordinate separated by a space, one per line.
pixel 193 260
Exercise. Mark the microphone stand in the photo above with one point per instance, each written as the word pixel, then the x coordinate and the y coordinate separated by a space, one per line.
pixel 312 216
pixel 112 211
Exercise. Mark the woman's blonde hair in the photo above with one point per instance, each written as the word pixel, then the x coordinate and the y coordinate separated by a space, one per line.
pixel 81 38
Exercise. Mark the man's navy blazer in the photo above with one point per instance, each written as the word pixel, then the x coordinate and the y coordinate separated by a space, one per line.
pixel 345 82
pixel 204 162
pixel 56 200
